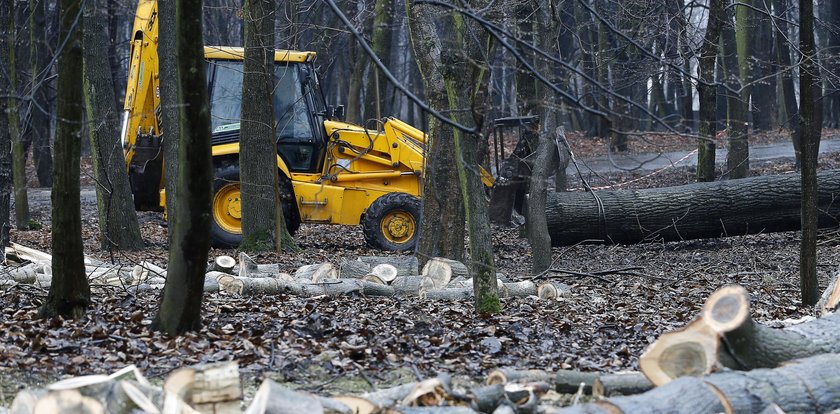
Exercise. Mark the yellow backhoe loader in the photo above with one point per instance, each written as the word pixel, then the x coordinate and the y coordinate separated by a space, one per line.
pixel 330 171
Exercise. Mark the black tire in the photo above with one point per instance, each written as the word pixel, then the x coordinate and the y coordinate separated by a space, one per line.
pixel 221 235
pixel 392 222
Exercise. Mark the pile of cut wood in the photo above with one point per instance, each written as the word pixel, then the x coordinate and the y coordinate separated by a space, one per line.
pixel 439 279
pixel 721 362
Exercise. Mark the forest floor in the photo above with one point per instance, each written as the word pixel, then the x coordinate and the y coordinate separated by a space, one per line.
pixel 348 345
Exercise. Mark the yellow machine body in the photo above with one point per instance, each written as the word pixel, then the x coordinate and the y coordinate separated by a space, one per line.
pixel 356 166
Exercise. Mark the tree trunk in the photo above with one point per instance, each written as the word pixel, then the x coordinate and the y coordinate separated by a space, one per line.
pixel 807 385
pixel 537 228
pixel 262 223
pixel 169 105
pixel 703 210
pixel 789 103
pixel 764 105
pixel 708 92
pixel 180 305
pixel 69 294
pixel 18 154
pixel 5 136
pixel 380 42
pixel 737 159
pixel 117 219
pixel 811 126
pixel 444 236
pixel 39 108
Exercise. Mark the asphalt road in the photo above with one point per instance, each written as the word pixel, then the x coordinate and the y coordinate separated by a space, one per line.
pixel 651 161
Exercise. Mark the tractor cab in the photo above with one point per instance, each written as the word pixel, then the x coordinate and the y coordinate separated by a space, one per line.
pixel 299 108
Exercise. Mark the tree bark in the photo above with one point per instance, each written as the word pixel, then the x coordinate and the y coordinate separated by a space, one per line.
pixel 694 211
pixel 39 119
pixel 18 155
pixel 708 92
pixel 262 220
pixel 547 157
pixel 180 305
pixel 380 42
pixel 69 294
pixel 169 106
pixel 806 385
pixel 811 126
pixel 117 219
pixel 737 159
pixel 442 198
pixel 789 94
pixel 5 137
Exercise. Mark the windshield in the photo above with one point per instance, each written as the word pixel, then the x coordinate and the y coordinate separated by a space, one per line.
pixel 291 115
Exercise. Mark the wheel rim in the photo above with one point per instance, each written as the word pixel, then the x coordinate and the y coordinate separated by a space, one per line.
pixel 227 209
pixel 398 226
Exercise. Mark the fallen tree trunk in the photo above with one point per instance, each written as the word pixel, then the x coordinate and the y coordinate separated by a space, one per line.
pixel 411 285
pixel 341 287
pixel 725 335
pixel 807 385
pixel 695 211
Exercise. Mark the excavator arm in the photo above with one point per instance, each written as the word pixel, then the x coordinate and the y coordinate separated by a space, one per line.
pixel 140 133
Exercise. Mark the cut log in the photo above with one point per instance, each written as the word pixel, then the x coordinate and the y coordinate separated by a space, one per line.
pixel 222 264
pixel 406 265
pixel 318 272
pixel 25 274
pixel 430 392
pixel 807 385
pixel 68 401
pixel 751 345
pixel 25 400
pixel 442 270
pixel 726 335
pixel 570 381
pixel 385 272
pixel 5 284
pixel 520 289
pixel 247 265
pixel 506 375
pixel 252 286
pixel 485 399
pixel 703 210
pixel 552 290
pixel 628 383
pixel 689 351
pixel 374 279
pixel 411 285
pixel 830 299
pixel 205 388
pixel 464 293
pixel 353 269
pixel 211 280
pixel 343 287
pixel 274 398
pixel 23 253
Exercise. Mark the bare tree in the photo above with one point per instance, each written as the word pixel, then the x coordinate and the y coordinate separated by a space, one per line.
pixel 117 219
pixel 180 305
pixel 5 136
pixel 69 294
pixel 262 216
pixel 811 121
